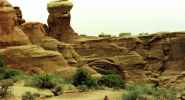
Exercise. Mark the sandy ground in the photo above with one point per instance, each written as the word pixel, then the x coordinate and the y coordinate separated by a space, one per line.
pixel 20 89
pixel 94 95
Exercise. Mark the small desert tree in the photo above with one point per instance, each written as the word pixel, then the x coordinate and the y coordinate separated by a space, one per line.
pixel 83 78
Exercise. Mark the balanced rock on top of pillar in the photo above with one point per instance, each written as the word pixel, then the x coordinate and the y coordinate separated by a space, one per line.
pixel 59 20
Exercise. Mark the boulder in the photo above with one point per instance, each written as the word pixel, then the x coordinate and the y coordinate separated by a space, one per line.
pixel 34 59
pixel 59 20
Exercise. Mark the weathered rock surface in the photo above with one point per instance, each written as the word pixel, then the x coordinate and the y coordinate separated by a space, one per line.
pixel 10 34
pixel 142 57
pixel 105 66
pixel 158 58
pixel 35 31
pixel 99 48
pixel 33 59
pixel 37 34
pixel 59 20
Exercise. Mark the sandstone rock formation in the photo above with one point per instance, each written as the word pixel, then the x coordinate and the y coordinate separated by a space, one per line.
pixel 35 31
pixel 157 58
pixel 99 48
pixel 34 59
pixel 38 36
pixel 10 34
pixel 106 66
pixel 20 20
pixel 59 20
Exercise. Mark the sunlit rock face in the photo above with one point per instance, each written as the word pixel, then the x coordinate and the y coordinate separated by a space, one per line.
pixel 7 17
pixel 59 20
pixel 9 33
pixel 33 59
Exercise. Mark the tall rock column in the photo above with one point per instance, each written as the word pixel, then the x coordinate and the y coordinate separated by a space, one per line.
pixel 59 20
pixel 10 35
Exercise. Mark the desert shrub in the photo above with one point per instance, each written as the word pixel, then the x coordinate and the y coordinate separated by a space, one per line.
pixel 124 34
pixel 9 73
pixel 135 91
pixel 28 96
pixel 104 35
pixel 5 88
pixel 48 81
pixel 143 34
pixel 169 94
pixel 82 77
pixel 112 81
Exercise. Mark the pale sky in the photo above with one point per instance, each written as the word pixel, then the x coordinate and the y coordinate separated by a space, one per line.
pixel 114 16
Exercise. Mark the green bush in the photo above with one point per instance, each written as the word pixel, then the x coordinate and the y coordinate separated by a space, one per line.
pixel 112 81
pixel 143 34
pixel 46 81
pixel 82 78
pixel 9 73
pixel 135 91
pixel 124 34
pixel 104 35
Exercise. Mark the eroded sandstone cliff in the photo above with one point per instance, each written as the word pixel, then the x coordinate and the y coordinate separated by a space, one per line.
pixel 36 47
pixel 157 58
